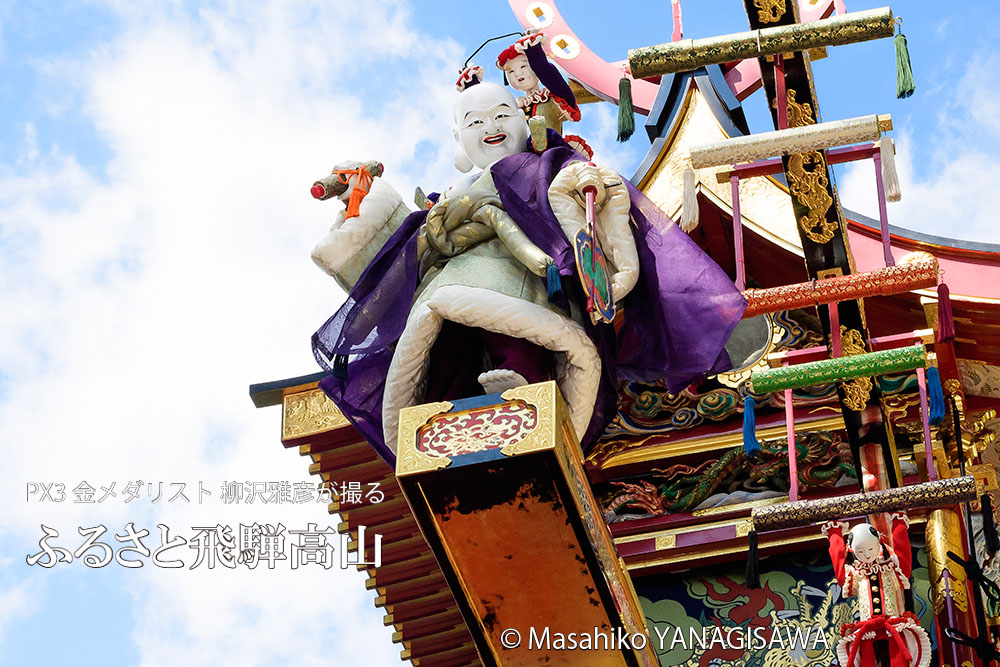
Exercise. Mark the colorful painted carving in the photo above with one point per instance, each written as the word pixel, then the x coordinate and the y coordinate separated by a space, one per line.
pixel 822 461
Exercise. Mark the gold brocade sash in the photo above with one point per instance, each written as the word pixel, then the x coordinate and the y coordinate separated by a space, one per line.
pixel 456 225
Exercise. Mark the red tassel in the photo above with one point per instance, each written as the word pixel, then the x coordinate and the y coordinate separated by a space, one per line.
pixel 946 322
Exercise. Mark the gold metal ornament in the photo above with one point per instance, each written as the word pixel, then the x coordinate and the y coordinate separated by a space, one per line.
pixel 687 54
pixel 943 533
pixel 307 413
pixel 859 390
pixel 409 459
pixel 799 113
pixel 769 11
pixel 808 182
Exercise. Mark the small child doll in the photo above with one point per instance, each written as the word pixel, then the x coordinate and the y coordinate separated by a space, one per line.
pixel 547 94
pixel 886 635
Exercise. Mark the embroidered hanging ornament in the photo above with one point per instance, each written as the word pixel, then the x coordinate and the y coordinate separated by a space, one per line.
pixel 946 321
pixel 918 272
pixel 904 73
pixel 626 114
pixel 814 373
pixel 750 445
pixel 890 179
pixel 935 397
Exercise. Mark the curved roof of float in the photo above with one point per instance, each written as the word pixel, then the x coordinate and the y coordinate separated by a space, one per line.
pixel 665 100
pixel 691 106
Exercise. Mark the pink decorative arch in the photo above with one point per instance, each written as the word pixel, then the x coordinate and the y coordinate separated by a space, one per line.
pixel 601 77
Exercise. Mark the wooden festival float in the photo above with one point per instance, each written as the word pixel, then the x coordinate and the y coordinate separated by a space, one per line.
pixel 874 350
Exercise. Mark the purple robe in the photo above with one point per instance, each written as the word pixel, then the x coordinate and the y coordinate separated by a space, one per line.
pixel 678 317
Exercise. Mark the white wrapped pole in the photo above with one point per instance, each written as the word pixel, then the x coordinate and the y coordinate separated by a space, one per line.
pixel 537 129
pixel 788 142
pixel 890 179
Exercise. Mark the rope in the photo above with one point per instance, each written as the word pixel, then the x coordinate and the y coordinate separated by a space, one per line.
pixel 491 39
pixel 360 190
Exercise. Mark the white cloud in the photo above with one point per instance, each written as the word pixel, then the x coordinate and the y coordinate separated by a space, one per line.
pixel 16 601
pixel 599 127
pixel 952 191
pixel 141 300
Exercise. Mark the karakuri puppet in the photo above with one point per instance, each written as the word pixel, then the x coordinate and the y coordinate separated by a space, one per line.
pixel 482 288
pixel 886 635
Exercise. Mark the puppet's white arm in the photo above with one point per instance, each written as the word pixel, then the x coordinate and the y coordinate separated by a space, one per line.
pixel 352 244
pixel 612 223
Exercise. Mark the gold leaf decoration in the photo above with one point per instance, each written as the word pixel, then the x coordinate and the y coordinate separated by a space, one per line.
pixel 808 182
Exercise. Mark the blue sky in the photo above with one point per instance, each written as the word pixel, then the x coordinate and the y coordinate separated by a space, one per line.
pixel 155 227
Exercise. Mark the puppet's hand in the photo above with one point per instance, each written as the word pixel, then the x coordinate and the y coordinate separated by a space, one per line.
pixel 532 37
pixel 353 242
pixel 614 233
pixel 588 175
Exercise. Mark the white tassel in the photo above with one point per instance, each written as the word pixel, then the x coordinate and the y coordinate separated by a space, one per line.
pixel 890 179
pixel 689 204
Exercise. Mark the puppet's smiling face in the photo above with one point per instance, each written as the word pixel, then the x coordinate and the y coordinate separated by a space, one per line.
pixel 489 125
pixel 519 73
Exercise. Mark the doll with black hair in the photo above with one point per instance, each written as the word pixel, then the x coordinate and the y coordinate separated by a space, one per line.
pixel 886 634
pixel 546 92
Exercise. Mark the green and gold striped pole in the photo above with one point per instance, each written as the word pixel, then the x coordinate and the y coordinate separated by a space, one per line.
pixel 815 373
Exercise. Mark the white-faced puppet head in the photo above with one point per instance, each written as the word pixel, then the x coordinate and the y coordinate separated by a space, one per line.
pixel 865 543
pixel 488 126
pixel 519 73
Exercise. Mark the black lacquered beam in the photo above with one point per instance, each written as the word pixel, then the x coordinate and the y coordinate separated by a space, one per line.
pixel 940 493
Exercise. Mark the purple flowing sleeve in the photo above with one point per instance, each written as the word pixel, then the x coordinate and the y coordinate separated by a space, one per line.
pixel 367 327
pixel 679 315
pixel 550 76
pixel 684 307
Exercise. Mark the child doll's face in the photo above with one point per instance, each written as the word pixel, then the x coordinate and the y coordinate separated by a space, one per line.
pixel 865 543
pixel 519 74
